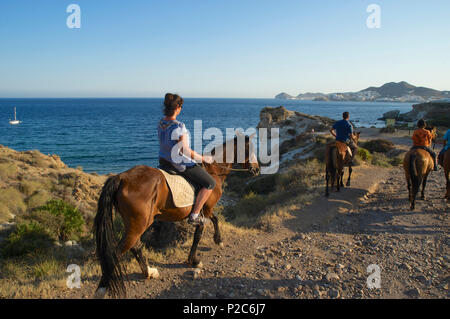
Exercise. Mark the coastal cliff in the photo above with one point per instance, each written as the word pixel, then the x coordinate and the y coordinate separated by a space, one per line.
pixel 297 131
pixel 29 179
pixel 437 113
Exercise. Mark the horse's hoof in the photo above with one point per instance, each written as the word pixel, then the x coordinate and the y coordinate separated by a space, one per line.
pixel 152 273
pixel 221 245
pixel 348 184
pixel 195 264
pixel 100 293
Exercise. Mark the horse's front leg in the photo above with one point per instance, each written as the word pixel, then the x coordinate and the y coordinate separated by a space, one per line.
pixel 217 236
pixel 193 261
pixel 338 181
pixel 350 170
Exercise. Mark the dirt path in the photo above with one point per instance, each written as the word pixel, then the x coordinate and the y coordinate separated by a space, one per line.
pixel 322 251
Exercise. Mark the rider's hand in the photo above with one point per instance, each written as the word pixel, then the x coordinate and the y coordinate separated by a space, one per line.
pixel 208 159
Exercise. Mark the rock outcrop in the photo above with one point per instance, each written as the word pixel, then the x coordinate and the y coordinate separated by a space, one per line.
pixel 390 115
pixel 297 131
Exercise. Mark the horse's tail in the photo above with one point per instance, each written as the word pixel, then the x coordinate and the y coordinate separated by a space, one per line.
pixel 415 175
pixel 112 271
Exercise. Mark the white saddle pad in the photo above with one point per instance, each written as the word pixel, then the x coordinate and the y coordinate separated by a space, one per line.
pixel 349 150
pixel 183 192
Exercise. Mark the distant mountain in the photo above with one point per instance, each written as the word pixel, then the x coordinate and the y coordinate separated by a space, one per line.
pixel 284 96
pixel 310 96
pixel 394 90
pixel 389 92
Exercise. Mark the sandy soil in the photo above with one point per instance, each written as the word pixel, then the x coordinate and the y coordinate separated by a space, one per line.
pixel 323 251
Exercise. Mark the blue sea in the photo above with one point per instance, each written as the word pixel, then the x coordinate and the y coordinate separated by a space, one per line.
pixel 113 135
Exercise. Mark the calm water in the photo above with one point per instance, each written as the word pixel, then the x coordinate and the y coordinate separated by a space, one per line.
pixel 113 135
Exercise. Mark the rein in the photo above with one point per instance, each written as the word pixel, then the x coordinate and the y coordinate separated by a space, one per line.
pixel 234 169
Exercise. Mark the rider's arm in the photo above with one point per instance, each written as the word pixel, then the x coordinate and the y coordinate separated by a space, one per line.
pixel 190 152
pixel 333 132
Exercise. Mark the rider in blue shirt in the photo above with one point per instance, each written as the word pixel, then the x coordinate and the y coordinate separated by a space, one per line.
pixel 446 146
pixel 343 131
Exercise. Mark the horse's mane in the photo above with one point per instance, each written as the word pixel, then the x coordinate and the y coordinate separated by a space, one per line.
pixel 234 139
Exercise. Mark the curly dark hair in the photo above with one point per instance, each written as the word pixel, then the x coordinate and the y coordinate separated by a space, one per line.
pixel 171 102
pixel 421 123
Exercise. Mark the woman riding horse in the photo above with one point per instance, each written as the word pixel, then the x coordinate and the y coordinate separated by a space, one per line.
pixel 174 142
pixel 141 195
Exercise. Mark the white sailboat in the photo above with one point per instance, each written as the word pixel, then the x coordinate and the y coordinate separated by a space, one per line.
pixel 15 121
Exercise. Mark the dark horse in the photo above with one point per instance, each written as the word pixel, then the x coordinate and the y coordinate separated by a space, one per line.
pixel 446 166
pixel 141 195
pixel 336 157
pixel 417 164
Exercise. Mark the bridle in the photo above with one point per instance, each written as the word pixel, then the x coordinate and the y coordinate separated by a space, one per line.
pixel 234 169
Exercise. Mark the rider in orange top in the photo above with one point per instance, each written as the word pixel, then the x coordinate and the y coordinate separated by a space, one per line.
pixel 422 139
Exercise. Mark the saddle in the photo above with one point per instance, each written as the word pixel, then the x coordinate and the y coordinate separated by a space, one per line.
pixel 183 192
pixel 342 148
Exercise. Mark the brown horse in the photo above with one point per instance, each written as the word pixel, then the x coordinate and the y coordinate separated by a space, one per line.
pixel 446 166
pixel 141 195
pixel 337 157
pixel 417 164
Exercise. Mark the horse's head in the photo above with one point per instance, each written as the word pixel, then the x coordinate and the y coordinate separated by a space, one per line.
pixel 250 160
pixel 242 152
pixel 433 130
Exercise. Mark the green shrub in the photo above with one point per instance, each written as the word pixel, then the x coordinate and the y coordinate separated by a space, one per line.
pixel 364 154
pixel 397 161
pixel 300 176
pixel 72 222
pixel 13 199
pixel 378 145
pixel 251 205
pixel 262 185
pixel 53 224
pixel 28 237
pixel 380 159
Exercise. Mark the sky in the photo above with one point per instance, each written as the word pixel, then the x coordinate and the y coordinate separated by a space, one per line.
pixel 219 48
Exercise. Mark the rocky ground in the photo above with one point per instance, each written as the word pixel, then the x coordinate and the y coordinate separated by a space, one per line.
pixel 323 251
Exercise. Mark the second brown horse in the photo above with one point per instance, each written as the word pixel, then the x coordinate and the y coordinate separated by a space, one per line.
pixel 417 164
pixel 337 156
